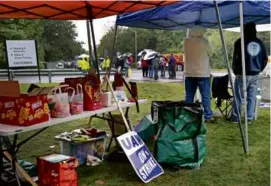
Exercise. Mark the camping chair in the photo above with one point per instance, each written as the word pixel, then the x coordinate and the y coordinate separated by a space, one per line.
pixel 223 99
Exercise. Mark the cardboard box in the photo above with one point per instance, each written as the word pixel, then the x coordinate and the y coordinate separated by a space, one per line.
pixel 57 170
pixel 24 110
pixel 10 88
pixel 41 90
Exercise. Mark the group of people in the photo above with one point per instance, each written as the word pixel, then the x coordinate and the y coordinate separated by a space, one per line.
pixel 150 67
pixel 197 70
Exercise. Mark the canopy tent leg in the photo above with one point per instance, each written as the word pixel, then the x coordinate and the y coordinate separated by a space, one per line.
pixel 94 47
pixel 89 13
pixel 89 43
pixel 113 46
pixel 229 72
pixel 243 70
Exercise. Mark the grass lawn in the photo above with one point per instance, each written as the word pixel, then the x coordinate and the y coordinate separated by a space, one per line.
pixel 225 162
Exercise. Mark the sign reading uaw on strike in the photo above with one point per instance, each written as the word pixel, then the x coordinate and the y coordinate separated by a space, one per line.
pixel 140 157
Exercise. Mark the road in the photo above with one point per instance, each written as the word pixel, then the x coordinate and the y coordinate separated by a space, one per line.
pixel 136 76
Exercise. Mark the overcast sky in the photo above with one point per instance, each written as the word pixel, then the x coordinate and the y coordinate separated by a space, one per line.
pixel 100 28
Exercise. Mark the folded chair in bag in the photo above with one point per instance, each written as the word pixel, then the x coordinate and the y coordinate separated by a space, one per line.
pixel 223 99
pixel 181 134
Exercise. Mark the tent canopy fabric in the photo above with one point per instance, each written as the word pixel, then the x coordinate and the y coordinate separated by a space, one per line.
pixel 71 10
pixel 186 14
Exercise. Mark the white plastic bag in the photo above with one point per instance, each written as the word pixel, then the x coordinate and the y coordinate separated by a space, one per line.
pixel 77 101
pixel 59 103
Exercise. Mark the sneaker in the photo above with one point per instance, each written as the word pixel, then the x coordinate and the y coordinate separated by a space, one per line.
pixel 234 121
pixel 211 120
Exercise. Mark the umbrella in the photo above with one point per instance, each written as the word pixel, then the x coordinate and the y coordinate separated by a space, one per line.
pixel 143 52
pixel 150 55
pixel 83 56
pixel 128 54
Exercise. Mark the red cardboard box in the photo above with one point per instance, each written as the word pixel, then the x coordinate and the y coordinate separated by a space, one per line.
pixel 57 170
pixel 24 110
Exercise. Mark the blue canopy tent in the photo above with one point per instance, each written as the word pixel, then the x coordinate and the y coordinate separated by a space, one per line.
pixel 208 14
pixel 186 14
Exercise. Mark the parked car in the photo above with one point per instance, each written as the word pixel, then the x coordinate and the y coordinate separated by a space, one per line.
pixel 59 65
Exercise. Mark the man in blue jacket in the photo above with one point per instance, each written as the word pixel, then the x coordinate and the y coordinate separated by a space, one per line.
pixel 256 60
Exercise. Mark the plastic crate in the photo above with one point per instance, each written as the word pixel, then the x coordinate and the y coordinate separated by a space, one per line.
pixel 94 147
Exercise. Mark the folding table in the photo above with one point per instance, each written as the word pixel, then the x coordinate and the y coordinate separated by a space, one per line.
pixel 7 131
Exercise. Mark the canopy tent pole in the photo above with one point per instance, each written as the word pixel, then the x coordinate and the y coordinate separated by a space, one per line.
pixel 243 70
pixel 228 69
pixel 89 44
pixel 113 52
pixel 94 47
pixel 113 47
pixel 89 12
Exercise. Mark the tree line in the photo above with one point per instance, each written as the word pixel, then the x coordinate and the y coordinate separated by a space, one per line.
pixel 56 40
pixel 170 42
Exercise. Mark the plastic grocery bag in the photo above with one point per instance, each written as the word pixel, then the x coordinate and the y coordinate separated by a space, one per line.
pixel 59 103
pixel 181 137
pixel 76 100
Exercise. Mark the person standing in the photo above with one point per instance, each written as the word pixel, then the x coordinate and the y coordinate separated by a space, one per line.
pixel 171 66
pixel 144 66
pixel 150 66
pixel 163 66
pixel 106 63
pixel 155 62
pixel 256 60
pixel 197 69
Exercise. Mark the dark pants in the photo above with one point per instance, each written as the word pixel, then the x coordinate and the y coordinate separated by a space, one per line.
pixel 163 71
pixel 145 71
pixel 171 71
pixel 204 84
pixel 155 70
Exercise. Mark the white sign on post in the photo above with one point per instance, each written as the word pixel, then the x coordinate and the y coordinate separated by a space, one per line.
pixel 21 53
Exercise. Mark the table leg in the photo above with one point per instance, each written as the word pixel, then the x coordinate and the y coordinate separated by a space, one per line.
pixel 14 159
pixel 89 121
pixel 1 162
pixel 128 118
pixel 112 127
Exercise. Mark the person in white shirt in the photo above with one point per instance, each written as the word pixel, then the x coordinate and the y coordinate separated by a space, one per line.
pixel 197 69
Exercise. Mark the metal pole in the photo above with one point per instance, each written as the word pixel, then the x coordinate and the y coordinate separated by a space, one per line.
pixel 37 55
pixel 89 12
pixel 6 50
pixel 243 70
pixel 135 46
pixel 228 68
pixel 94 47
pixel 89 44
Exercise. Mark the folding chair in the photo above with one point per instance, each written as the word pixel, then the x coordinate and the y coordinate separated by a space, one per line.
pixel 223 99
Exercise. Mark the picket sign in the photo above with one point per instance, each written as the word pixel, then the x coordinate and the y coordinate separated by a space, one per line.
pixel 144 164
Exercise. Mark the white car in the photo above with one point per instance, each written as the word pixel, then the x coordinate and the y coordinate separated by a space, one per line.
pixel 60 65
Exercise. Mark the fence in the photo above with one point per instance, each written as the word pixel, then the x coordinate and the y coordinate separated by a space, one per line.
pixel 45 72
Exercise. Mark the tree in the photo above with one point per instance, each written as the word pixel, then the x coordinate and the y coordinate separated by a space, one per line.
pixel 59 40
pixel 165 41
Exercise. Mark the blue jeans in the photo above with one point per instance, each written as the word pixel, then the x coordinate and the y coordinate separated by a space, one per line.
pixel 204 84
pixel 151 71
pixel 252 85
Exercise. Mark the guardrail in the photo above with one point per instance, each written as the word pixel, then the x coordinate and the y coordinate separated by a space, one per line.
pixel 45 72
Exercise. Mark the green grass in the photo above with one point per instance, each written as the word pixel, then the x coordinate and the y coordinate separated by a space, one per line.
pixel 225 162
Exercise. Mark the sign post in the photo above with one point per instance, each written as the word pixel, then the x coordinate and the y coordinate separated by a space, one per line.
pixel 144 164
pixel 22 53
